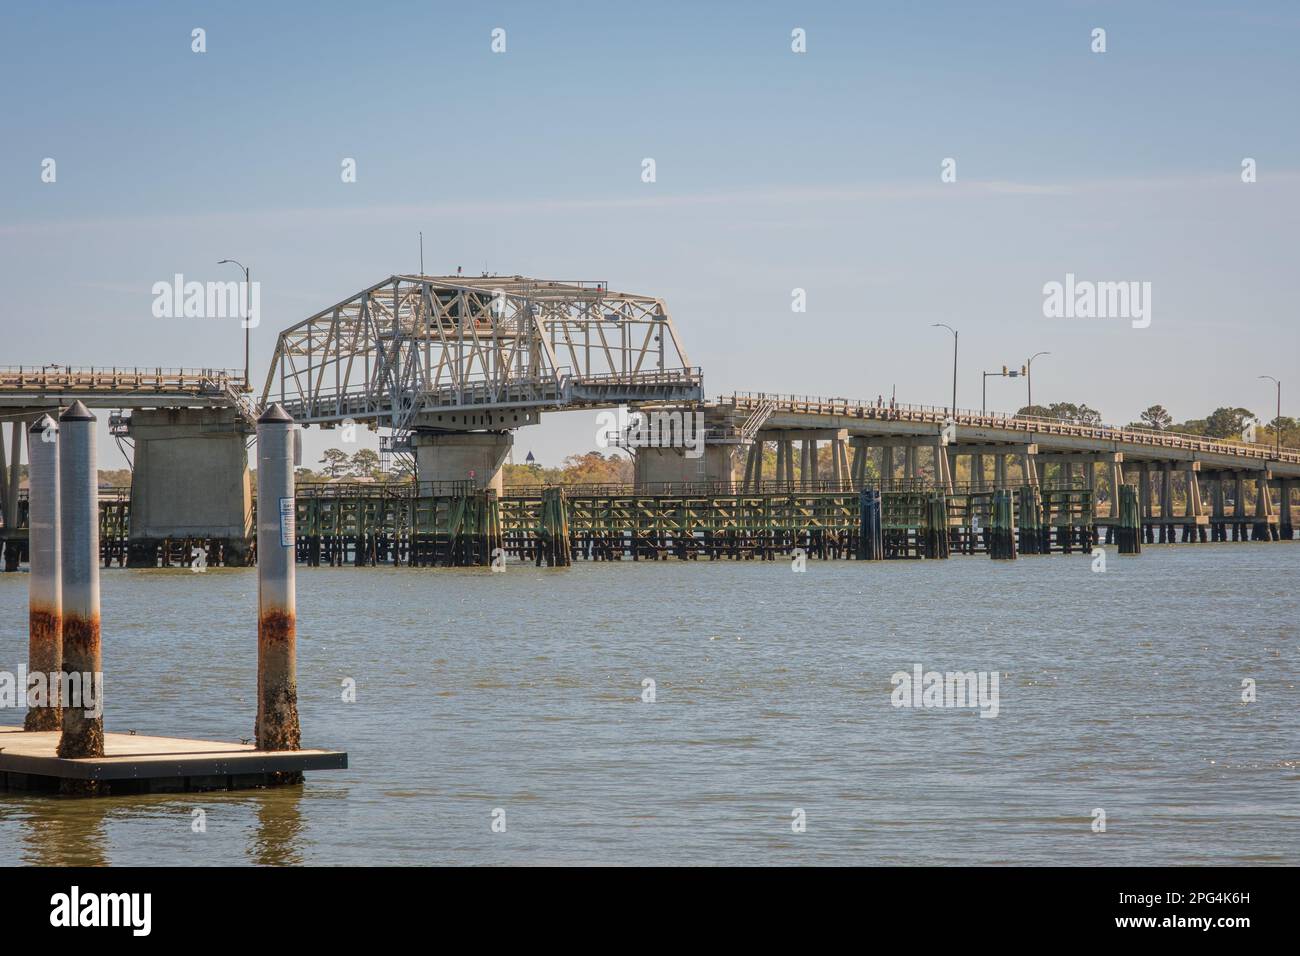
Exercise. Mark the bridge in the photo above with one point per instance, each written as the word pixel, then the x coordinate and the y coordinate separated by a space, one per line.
pixel 450 366
pixel 453 364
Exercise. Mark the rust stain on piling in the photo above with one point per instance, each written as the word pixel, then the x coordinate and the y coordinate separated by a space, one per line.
pixel 277 707
pixel 80 638
pixel 277 628
pixel 83 736
pixel 44 656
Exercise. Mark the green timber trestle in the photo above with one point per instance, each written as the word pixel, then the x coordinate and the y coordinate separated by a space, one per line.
pixel 381 526
pixel 360 524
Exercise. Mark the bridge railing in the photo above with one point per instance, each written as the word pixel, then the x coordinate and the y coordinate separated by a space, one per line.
pixel 937 414
pixel 92 378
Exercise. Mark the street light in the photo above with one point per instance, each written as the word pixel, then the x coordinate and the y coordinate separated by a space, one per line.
pixel 1277 422
pixel 940 325
pixel 248 315
pixel 1029 375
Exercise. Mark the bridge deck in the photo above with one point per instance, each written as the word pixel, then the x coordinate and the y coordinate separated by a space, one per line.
pixel 40 386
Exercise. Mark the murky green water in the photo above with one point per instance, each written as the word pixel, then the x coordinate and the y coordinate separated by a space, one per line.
pixel 523 691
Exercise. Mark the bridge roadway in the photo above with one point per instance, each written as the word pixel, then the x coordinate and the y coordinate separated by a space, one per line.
pixel 907 441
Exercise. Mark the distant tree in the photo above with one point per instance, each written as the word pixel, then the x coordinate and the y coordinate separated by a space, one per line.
pixel 1035 411
pixel 1157 417
pixel 1227 422
pixel 364 464
pixel 336 461
pixel 401 469
pixel 1064 411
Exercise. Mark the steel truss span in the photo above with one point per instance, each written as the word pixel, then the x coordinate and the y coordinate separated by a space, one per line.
pixel 412 345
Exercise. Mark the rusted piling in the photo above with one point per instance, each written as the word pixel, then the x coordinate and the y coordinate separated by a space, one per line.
pixel 83 720
pixel 44 587
pixel 277 669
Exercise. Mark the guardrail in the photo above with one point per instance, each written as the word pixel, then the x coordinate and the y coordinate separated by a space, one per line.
pixel 937 414
pixel 192 380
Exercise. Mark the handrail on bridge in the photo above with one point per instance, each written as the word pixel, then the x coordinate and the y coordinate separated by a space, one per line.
pixel 96 377
pixel 880 410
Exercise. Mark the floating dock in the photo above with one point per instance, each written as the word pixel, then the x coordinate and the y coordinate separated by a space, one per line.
pixel 135 763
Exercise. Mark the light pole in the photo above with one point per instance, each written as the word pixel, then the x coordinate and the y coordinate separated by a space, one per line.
pixel 940 325
pixel 1005 373
pixel 1277 422
pixel 248 315
pixel 1029 375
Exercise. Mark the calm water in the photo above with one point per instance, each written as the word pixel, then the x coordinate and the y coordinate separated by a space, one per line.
pixel 523 690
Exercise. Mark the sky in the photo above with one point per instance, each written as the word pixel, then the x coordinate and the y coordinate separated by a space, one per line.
pixel 774 171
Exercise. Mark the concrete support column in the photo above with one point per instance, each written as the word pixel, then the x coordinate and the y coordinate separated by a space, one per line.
pixel 942 465
pixel 1285 527
pixel 754 466
pixel 860 451
pixel 189 480
pixel 887 466
pixel 10 480
pixel 1000 472
pixel 1030 469
pixel 909 461
pixel 477 458
pixel 1193 508
pixel 977 471
pixel 653 466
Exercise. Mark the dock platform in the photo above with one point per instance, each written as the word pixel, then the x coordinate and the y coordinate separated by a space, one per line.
pixel 135 763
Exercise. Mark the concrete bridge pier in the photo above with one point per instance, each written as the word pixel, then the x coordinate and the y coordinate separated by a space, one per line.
pixel 476 458
pixel 1286 530
pixel 716 465
pixel 1194 523
pixel 1166 533
pixel 1238 507
pixel 1218 507
pixel 190 481
pixel 860 452
pixel 785 461
pixel 1265 527
pixel 10 544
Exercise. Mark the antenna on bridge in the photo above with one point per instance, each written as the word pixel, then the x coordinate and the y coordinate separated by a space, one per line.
pixel 421 253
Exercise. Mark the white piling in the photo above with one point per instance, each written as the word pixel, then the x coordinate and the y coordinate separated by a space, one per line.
pixel 277 668
pixel 83 725
pixel 44 586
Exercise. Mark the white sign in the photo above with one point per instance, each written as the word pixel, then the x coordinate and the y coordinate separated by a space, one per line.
pixel 287 520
